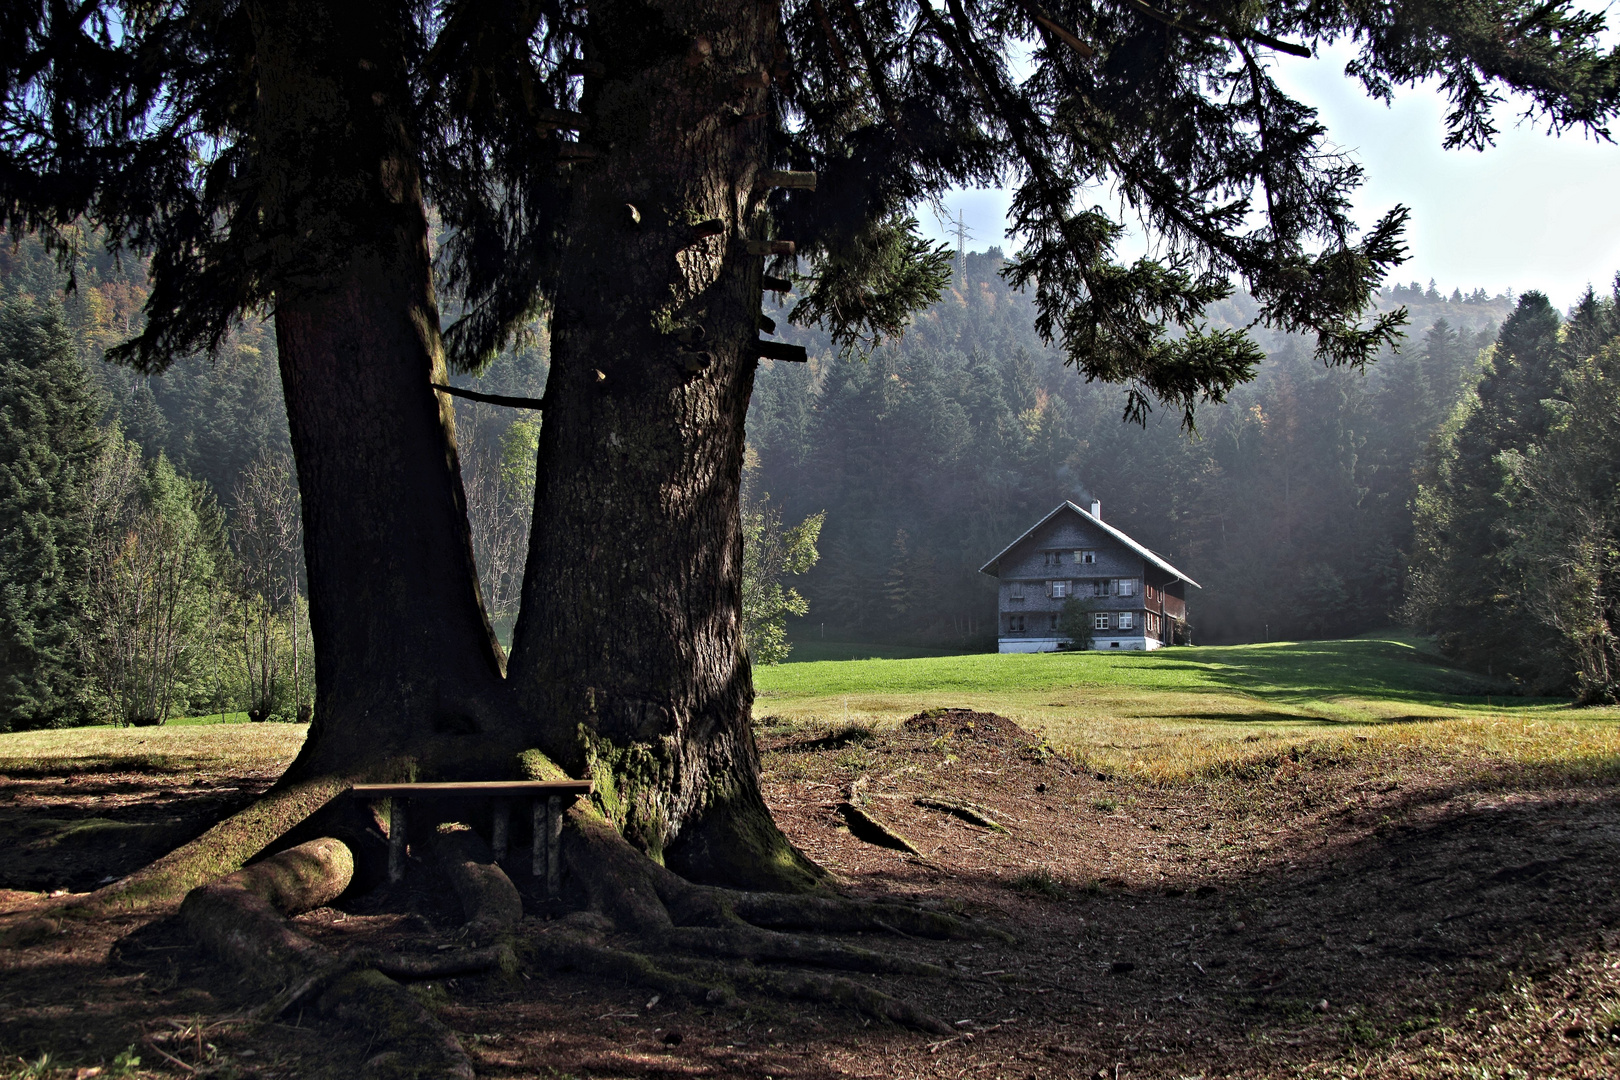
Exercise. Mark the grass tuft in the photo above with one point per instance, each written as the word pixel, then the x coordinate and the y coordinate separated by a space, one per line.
pixel 1040 882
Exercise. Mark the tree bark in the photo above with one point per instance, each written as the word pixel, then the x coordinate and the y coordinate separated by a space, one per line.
pixel 628 650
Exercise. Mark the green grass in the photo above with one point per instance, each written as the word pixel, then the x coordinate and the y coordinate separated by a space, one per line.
pixel 172 748
pixel 209 718
pixel 1177 711
pixel 1163 715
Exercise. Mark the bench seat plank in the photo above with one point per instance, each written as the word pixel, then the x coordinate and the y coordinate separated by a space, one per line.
pixel 479 787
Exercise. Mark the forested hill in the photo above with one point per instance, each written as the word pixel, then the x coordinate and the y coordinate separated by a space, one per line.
pixel 1291 504
pixel 210 418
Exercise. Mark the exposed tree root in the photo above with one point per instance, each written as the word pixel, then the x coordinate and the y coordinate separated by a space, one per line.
pixel 241 919
pixel 564 950
pixel 866 827
pixel 766 946
pixel 500 957
pixel 835 990
pixel 969 813
pixel 490 902
pixel 217 852
pixel 700 942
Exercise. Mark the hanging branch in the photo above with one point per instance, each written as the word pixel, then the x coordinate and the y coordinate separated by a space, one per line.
pixel 492 399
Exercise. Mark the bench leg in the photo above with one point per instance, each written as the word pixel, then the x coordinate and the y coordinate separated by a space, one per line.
pixel 396 839
pixel 553 846
pixel 501 829
pixel 538 813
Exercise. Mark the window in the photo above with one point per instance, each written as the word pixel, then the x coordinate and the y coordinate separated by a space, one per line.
pixel 1085 557
pixel 1099 621
pixel 1152 623
pixel 1051 558
pixel 1015 592
pixel 1054 622
pixel 1125 620
pixel 1057 590
pixel 1099 587
pixel 1127 587
pixel 1015 624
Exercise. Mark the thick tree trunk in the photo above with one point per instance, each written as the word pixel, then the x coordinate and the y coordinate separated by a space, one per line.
pixel 409 670
pixel 629 649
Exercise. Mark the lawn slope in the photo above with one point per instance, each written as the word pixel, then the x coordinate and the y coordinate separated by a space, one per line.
pixel 1178 711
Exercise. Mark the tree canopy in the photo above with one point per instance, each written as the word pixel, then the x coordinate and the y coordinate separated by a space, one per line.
pixel 146 116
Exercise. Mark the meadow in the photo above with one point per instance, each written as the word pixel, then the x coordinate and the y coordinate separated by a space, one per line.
pixel 1176 713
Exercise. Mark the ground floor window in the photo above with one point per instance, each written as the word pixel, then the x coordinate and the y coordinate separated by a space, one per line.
pixel 1099 621
pixel 1015 624
pixel 1125 621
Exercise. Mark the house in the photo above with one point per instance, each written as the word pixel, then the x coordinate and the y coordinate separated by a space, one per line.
pixel 1137 599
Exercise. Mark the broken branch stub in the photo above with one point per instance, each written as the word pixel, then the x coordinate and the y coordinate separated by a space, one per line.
pixel 703 230
pixel 783 178
pixel 781 350
pixel 770 247
pixel 776 284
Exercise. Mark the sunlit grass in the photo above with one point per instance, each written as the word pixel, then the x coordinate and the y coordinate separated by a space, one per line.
pixel 169 749
pixel 1177 713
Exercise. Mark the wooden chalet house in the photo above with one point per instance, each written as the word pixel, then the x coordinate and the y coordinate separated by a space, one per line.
pixel 1138 600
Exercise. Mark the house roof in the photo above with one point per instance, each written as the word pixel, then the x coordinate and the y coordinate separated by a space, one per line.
pixel 992 568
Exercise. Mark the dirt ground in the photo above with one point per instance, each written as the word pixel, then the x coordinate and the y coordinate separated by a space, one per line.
pixel 1320 913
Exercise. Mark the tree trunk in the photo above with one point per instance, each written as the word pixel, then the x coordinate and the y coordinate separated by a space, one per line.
pixel 628 649
pixel 410 672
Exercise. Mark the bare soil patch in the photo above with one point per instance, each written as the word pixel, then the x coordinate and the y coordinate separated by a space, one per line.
pixel 1319 913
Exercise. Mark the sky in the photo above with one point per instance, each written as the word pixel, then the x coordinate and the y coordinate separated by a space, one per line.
pixel 1531 212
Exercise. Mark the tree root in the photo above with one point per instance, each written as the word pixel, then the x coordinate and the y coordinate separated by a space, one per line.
pixel 864 826
pixel 490 903
pixel 242 920
pixel 969 813
pixel 835 990
pixel 444 965
pixel 240 917
pixel 765 946
pixel 561 950
pixel 707 983
pixel 219 851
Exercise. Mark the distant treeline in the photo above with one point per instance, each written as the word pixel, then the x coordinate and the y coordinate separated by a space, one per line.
pixel 1291 503
pixel 151 553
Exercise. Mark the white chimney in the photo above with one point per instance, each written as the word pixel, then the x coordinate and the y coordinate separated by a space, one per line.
pixel 1096 509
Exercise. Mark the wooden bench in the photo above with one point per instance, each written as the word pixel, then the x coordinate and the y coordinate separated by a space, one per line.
pixel 545 806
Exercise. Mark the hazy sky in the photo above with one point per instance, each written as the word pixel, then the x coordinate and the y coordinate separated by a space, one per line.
pixel 1532 212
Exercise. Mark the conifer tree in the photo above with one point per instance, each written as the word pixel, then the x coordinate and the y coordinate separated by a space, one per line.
pixel 48 442
pixel 639 173
pixel 1462 588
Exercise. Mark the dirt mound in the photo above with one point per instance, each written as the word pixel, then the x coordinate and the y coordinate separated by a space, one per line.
pixel 967 724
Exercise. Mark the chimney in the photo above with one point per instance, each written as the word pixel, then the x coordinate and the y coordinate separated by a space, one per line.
pixel 1096 509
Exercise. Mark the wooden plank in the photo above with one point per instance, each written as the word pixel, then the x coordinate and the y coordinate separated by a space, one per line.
pixel 537 849
pixel 396 841
pixel 500 828
pixel 554 825
pixel 477 787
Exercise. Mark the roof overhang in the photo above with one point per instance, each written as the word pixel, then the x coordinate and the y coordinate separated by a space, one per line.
pixel 993 568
